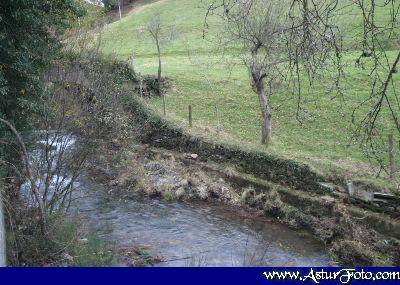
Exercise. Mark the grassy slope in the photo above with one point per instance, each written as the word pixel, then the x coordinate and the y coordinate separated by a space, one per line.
pixel 203 81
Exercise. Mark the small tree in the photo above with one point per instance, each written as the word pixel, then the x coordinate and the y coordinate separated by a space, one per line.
pixel 272 41
pixel 162 36
pixel 257 27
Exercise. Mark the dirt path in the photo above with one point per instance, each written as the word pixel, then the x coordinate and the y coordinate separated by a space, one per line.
pixel 134 8
pixel 139 6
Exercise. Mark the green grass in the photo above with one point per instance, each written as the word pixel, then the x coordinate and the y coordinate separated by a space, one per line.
pixel 204 81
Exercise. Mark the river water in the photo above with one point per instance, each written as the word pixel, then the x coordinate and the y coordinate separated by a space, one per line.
pixel 194 234
pixel 183 234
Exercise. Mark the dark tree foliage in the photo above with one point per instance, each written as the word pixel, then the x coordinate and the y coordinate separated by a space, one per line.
pixel 30 39
pixel 110 4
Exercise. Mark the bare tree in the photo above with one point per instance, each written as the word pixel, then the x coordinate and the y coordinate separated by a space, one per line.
pixel 312 39
pixel 257 27
pixel 162 37
pixel 379 58
pixel 28 173
pixel 77 104
pixel 75 115
pixel 49 171
pixel 273 42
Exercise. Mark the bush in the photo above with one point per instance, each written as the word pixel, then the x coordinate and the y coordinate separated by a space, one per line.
pixel 61 246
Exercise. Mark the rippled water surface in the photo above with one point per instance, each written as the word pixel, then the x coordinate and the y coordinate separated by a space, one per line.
pixel 195 234
pixel 183 234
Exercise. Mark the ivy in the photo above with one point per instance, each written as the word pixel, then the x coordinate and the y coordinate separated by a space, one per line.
pixel 30 33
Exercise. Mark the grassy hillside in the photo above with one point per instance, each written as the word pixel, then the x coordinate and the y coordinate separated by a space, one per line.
pixel 203 80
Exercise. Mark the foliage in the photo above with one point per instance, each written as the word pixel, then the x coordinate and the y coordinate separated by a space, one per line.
pixel 65 244
pixel 29 40
pixel 110 4
pixel 85 249
pixel 79 103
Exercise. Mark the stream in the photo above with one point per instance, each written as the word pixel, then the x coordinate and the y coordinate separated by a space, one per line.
pixel 194 234
pixel 181 233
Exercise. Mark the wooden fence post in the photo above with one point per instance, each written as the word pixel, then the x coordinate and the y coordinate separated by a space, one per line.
pixel 141 85
pixel 164 104
pixel 190 116
pixel 119 10
pixel 218 119
pixel 392 167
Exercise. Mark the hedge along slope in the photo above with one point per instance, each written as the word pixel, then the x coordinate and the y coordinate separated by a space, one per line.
pixel 159 132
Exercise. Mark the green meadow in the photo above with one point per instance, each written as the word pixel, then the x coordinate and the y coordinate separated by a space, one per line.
pixel 205 78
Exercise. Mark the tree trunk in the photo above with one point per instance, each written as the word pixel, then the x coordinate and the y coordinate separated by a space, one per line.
pixel 119 9
pixel 266 129
pixel 159 79
pixel 159 68
pixel 36 194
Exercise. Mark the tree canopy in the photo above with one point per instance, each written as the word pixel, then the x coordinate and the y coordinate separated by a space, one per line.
pixel 30 39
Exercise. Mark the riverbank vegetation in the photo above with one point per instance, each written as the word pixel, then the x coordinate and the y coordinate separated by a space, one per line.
pixel 30 32
pixel 41 115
